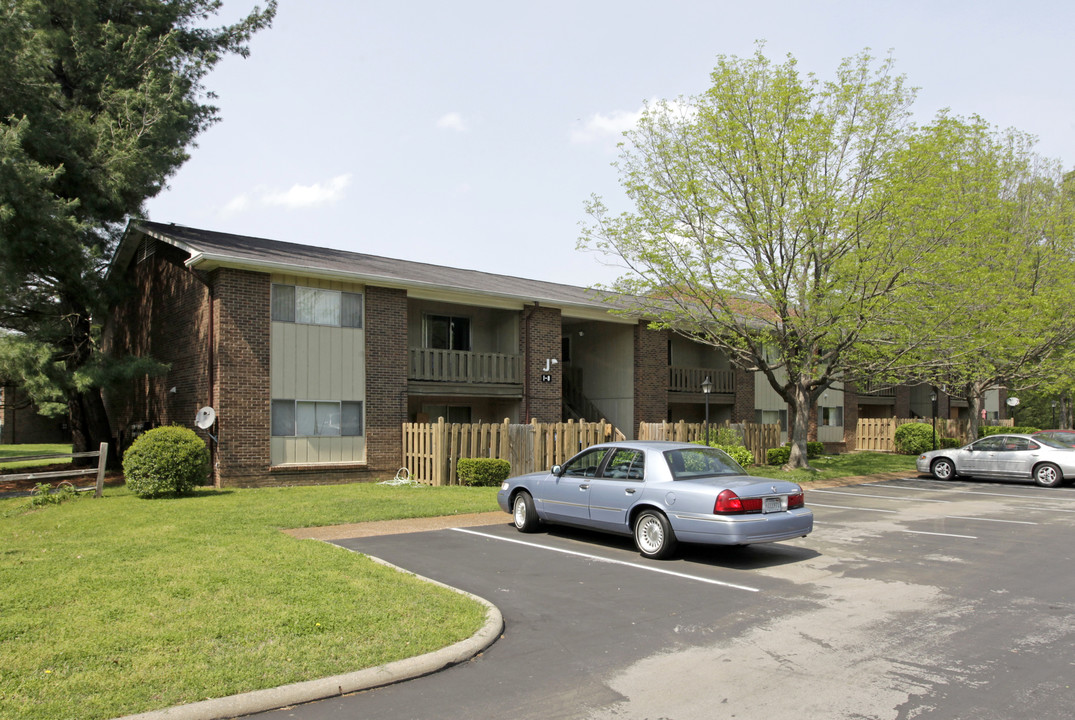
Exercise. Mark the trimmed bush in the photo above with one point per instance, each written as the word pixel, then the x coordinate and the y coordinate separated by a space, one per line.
pixel 946 443
pixel 482 472
pixel 166 461
pixel 814 450
pixel 778 456
pixel 985 430
pixel 914 438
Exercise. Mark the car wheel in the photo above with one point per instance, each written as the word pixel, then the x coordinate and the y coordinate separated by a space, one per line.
pixel 1048 475
pixel 524 516
pixel 943 469
pixel 654 536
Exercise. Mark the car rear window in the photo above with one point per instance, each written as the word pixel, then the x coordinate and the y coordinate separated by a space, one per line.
pixel 687 464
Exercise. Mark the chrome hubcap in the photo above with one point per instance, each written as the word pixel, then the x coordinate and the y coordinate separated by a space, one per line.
pixel 650 534
pixel 520 512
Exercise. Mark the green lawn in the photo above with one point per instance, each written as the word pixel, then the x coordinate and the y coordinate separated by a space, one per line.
pixel 838 466
pixel 120 605
pixel 7 451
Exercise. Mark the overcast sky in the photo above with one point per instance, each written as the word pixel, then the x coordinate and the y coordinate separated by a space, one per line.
pixel 470 133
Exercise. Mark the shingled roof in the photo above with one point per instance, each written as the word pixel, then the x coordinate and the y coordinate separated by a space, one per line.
pixel 210 249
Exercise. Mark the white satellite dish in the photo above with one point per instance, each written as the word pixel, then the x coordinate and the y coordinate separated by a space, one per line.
pixel 205 418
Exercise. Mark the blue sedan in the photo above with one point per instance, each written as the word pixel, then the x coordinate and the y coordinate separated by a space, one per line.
pixel 661 493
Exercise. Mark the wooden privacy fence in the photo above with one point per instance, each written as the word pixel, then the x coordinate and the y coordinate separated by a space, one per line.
pixel 431 451
pixel 879 434
pixel 102 457
pixel 757 438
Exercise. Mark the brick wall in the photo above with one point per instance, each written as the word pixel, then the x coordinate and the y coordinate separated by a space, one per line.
pixel 163 315
pixel 743 407
pixel 386 377
pixel 241 375
pixel 650 375
pixel 542 330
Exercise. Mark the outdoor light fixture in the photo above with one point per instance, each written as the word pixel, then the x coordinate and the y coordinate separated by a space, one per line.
pixel 933 403
pixel 707 385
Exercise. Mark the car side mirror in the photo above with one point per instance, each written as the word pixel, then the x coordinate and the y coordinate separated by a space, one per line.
pixel 557 470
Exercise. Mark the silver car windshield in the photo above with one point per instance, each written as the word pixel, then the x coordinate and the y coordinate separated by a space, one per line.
pixel 688 464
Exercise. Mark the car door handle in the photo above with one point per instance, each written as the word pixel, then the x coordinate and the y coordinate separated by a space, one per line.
pixel 584 486
pixel 630 491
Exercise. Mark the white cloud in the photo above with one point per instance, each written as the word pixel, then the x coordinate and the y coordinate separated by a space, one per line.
pixel 600 127
pixel 295 197
pixel 452 121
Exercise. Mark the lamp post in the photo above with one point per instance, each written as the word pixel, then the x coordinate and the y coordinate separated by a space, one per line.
pixel 1054 413
pixel 707 385
pixel 1013 402
pixel 933 402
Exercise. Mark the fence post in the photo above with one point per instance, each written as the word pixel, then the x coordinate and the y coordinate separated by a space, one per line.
pixel 438 452
pixel 102 460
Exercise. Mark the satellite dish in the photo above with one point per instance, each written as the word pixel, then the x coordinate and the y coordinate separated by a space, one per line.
pixel 205 418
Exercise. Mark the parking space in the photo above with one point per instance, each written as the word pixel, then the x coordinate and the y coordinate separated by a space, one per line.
pixel 911 598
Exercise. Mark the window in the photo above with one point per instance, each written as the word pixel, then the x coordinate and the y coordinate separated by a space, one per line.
pixel 313 306
pixel 308 418
pixel 626 465
pixel 444 332
pixel 772 417
pixel 830 416
pixel 586 464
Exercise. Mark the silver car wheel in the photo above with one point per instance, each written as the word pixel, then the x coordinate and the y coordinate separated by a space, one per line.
pixel 524 514
pixel 654 536
pixel 1048 475
pixel 943 469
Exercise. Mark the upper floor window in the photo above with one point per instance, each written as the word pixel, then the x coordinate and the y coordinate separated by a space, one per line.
pixel 445 332
pixel 314 306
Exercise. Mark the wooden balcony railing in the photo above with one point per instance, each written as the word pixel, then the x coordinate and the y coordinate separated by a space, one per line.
pixel 875 389
pixel 464 367
pixel 682 379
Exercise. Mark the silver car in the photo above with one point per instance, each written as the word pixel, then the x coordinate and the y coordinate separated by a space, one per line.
pixel 660 493
pixel 1014 457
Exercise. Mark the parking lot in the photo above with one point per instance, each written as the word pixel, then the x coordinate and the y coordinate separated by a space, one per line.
pixel 911 599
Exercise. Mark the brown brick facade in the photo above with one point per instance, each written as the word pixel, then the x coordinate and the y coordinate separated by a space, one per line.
pixel 241 375
pixel 542 330
pixel 743 407
pixel 650 374
pixel 386 377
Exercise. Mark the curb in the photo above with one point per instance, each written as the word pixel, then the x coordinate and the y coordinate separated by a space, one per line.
pixel 303 692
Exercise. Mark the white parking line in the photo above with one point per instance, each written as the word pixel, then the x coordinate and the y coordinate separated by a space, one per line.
pixel 923 532
pixel 848 507
pixel 883 497
pixel 966 492
pixel 598 558
pixel 1014 522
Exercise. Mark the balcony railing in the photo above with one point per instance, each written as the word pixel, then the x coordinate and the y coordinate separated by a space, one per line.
pixel 682 379
pixel 876 389
pixel 464 367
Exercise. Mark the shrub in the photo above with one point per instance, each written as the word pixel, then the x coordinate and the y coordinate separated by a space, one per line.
pixel 482 472
pixel 914 438
pixel 166 461
pixel 814 450
pixel 946 443
pixel 778 455
pixel 985 430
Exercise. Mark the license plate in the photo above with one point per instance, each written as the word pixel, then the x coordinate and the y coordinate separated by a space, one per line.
pixel 772 504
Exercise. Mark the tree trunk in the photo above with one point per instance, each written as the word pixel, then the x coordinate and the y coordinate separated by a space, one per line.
pixel 89 422
pixel 799 427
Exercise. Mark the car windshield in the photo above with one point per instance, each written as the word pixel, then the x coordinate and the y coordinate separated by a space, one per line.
pixel 690 463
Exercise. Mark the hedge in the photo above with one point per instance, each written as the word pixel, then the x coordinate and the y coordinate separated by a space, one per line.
pixel 986 430
pixel 482 472
pixel 166 461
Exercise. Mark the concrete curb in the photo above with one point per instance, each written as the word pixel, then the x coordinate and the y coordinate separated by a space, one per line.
pixel 297 693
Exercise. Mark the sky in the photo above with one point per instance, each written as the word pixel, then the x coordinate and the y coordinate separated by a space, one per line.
pixel 471 133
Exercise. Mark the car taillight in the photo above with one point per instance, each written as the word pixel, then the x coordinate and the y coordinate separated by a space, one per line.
pixel 728 503
pixel 796 501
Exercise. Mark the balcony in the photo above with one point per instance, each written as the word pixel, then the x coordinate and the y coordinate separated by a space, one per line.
pixel 689 380
pixel 454 366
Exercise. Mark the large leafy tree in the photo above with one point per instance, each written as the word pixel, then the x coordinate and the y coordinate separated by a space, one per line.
pixel 99 103
pixel 797 224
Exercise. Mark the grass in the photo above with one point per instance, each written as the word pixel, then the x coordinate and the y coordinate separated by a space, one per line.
pixel 7 451
pixel 119 605
pixel 839 466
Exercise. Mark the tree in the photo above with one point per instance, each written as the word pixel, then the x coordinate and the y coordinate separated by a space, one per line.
pixel 797 225
pixel 99 102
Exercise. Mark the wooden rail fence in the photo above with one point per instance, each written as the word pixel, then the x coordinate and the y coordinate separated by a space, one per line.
pixel 431 451
pixel 879 434
pixel 102 457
